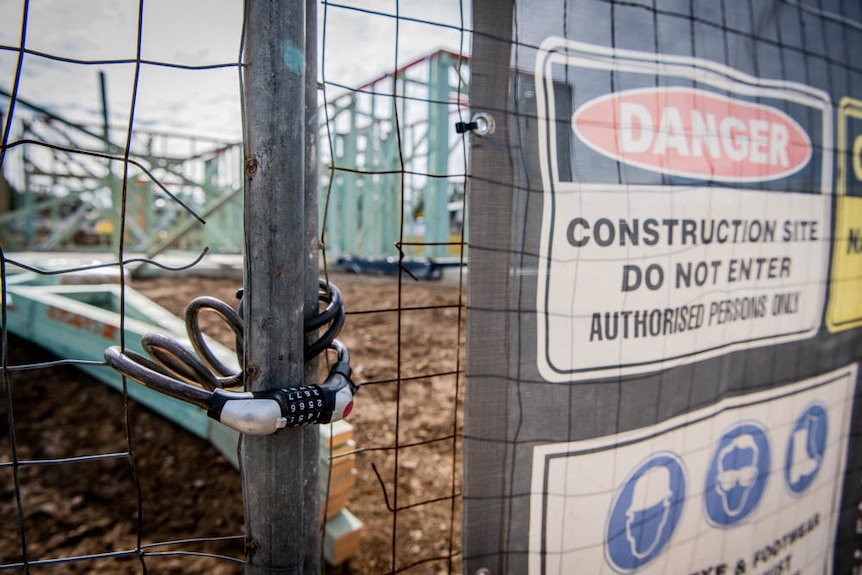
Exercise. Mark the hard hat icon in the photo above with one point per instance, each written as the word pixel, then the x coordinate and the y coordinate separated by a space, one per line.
pixel 646 517
pixel 646 512
pixel 652 488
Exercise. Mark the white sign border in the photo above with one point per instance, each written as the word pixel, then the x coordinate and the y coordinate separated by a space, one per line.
pixel 560 50
pixel 541 453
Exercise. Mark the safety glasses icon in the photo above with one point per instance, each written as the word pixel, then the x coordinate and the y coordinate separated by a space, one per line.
pixel 743 476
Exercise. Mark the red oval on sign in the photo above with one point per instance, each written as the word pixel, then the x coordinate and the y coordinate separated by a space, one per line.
pixel 694 133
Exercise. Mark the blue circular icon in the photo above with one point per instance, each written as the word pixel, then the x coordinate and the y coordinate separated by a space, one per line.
pixel 737 475
pixel 805 449
pixel 645 512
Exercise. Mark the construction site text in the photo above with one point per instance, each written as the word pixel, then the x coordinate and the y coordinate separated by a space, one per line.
pixel 605 232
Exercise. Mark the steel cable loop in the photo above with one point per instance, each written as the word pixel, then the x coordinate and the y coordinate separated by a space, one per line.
pixel 333 314
pixel 148 363
pixel 329 293
pixel 342 354
pixel 178 361
pixel 201 379
pixel 128 364
pixel 325 341
pixel 161 378
pixel 233 320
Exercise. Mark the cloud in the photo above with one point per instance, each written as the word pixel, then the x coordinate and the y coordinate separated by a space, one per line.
pixel 359 46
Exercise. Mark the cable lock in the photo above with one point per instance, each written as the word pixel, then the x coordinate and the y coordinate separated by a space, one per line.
pixel 201 379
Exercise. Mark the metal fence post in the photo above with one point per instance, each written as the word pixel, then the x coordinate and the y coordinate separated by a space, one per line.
pixel 312 234
pixel 280 472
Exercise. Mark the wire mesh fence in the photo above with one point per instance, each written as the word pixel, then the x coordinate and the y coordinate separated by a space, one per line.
pixel 559 486
pixel 90 193
pixel 122 198
pixel 392 139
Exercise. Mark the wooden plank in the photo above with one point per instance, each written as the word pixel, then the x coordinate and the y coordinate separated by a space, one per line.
pixel 341 484
pixel 334 505
pixel 338 466
pixel 336 433
pixel 342 538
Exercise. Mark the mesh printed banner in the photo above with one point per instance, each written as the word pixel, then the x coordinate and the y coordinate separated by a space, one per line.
pixel 665 288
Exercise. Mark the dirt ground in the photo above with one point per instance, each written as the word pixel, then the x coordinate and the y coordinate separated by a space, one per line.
pixel 406 346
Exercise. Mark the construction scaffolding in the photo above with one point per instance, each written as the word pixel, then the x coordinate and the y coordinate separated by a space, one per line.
pixel 59 200
pixel 392 167
pixel 393 162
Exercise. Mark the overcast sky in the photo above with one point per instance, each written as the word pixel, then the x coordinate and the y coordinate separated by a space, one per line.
pixel 359 46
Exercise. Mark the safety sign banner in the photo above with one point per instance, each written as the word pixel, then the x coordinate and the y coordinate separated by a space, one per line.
pixel 664 292
pixel 750 484
pixel 687 210
pixel 845 305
